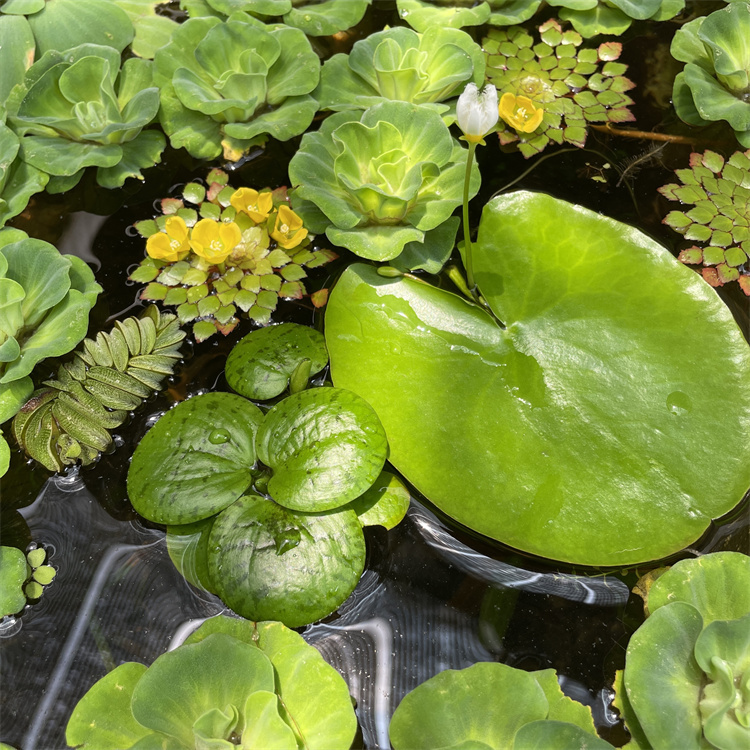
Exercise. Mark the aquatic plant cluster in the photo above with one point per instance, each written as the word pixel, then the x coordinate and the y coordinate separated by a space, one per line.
pixel 534 382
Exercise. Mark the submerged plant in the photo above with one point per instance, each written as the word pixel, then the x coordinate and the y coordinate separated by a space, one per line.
pixel 69 420
pixel 589 17
pixel 379 180
pixel 550 90
pixel 314 17
pixel 246 250
pixel 281 539
pixel 232 683
pixel 715 84
pixel 686 681
pixel 429 69
pixel 719 191
pixel 226 86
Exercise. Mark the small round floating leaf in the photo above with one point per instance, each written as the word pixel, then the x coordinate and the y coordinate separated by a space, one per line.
pixel 44 574
pixel 326 446
pixel 13 572
pixel 298 586
pixel 384 504
pixel 185 469
pixel 262 363
pixel 717 585
pixel 182 685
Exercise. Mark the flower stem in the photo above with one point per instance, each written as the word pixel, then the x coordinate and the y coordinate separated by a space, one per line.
pixel 467 232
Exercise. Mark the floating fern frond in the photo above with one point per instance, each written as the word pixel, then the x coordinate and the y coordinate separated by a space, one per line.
pixel 70 419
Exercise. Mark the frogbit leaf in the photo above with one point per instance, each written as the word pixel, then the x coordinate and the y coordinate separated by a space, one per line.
pixel 326 446
pixel 196 460
pixel 267 562
pixel 260 365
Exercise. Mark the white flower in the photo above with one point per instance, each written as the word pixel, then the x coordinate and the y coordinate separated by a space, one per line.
pixel 477 112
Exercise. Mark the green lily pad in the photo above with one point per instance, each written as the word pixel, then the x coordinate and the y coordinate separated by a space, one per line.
pixel 262 363
pixel 13 573
pixel 326 446
pixel 196 460
pixel 542 735
pixel 269 563
pixel 589 429
pixel 384 504
pixel 717 585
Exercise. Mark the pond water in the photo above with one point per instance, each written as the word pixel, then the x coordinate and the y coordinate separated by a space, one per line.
pixel 433 596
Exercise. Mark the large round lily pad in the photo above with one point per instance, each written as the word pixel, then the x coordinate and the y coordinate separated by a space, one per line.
pixel 270 563
pixel 196 460
pixel 606 424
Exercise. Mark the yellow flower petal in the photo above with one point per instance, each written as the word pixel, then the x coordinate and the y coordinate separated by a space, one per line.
pixel 170 245
pixel 520 112
pixel 214 240
pixel 288 230
pixel 256 205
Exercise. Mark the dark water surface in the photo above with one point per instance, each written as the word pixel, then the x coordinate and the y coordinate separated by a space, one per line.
pixel 431 598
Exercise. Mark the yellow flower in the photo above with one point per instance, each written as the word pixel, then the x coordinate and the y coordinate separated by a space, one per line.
pixel 287 229
pixel 171 244
pixel 256 205
pixel 214 240
pixel 520 113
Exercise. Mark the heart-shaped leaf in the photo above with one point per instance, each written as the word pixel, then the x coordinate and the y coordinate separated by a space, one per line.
pixel 605 424
pixel 260 365
pixel 196 460
pixel 269 563
pixel 326 446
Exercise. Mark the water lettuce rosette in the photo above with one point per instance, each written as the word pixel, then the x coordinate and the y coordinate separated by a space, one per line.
pixel 715 84
pixel 589 17
pixel 314 17
pixel 80 109
pixel 400 64
pixel 226 86
pixel 377 180
pixel 686 681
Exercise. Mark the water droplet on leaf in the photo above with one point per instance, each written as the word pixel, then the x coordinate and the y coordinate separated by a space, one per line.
pixel 286 540
pixel 679 403
pixel 218 437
